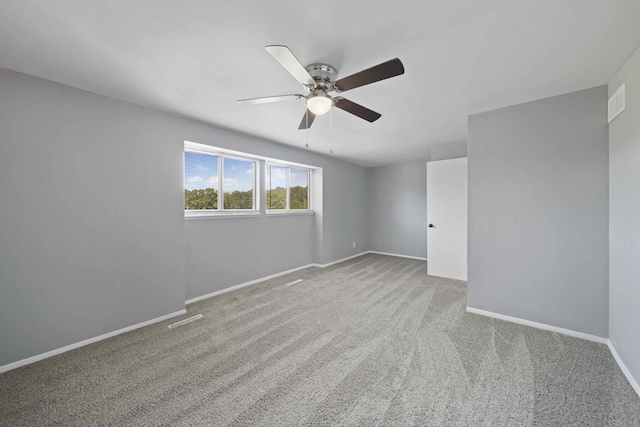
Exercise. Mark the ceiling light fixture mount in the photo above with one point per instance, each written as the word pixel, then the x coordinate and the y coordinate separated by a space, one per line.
pixel 324 75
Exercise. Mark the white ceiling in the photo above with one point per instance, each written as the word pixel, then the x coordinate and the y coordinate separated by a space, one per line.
pixel 196 58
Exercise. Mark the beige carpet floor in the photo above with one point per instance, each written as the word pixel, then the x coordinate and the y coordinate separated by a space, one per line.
pixel 371 341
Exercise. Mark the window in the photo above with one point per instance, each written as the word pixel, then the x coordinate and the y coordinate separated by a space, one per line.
pixel 287 188
pixel 209 174
pixel 224 183
pixel 200 181
pixel 238 183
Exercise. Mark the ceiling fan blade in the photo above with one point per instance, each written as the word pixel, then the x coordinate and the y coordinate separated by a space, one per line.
pixel 370 75
pixel 307 120
pixel 289 61
pixel 356 109
pixel 268 99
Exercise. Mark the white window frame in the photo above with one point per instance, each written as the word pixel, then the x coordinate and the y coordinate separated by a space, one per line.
pixel 208 150
pixel 288 166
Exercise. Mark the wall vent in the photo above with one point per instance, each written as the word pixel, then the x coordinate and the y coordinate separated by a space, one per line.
pixel 616 104
pixel 185 321
pixel 295 282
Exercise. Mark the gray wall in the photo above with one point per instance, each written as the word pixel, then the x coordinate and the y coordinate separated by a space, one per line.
pixel 624 216
pixel 538 211
pixel 397 196
pixel 91 227
pixel 92 233
pixel 345 211
pixel 259 247
pixel 449 151
pixel 229 251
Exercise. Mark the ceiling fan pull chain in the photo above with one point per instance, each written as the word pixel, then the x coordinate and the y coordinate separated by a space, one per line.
pixel 306 134
pixel 331 130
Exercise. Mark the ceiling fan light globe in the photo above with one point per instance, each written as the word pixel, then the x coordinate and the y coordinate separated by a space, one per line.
pixel 319 104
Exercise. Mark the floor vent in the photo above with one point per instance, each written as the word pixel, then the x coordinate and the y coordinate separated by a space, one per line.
pixel 295 282
pixel 185 321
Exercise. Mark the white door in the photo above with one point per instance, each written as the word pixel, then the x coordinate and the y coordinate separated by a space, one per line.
pixel 447 218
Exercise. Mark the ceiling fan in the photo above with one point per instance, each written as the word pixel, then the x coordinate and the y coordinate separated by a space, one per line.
pixel 320 79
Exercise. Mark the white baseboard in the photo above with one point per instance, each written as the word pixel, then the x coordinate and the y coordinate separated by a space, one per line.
pixel 32 359
pixel 242 285
pixel 398 255
pixel 537 325
pixel 340 260
pixel 282 273
pixel 624 368
pixel 273 276
pixel 600 340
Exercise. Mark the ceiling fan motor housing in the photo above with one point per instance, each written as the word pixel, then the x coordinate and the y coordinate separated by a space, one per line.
pixel 324 76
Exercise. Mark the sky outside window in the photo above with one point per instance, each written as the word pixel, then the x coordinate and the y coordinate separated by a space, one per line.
pixel 298 178
pixel 238 175
pixel 200 171
pixel 238 183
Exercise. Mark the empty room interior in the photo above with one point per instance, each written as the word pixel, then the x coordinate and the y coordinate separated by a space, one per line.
pixel 301 213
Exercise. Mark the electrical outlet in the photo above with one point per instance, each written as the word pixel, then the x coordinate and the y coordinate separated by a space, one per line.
pixel 354 244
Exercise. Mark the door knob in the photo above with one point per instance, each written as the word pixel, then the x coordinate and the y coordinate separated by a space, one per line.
pixel 431 225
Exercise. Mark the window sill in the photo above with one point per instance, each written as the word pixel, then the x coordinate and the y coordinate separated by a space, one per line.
pixel 209 215
pixel 290 212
